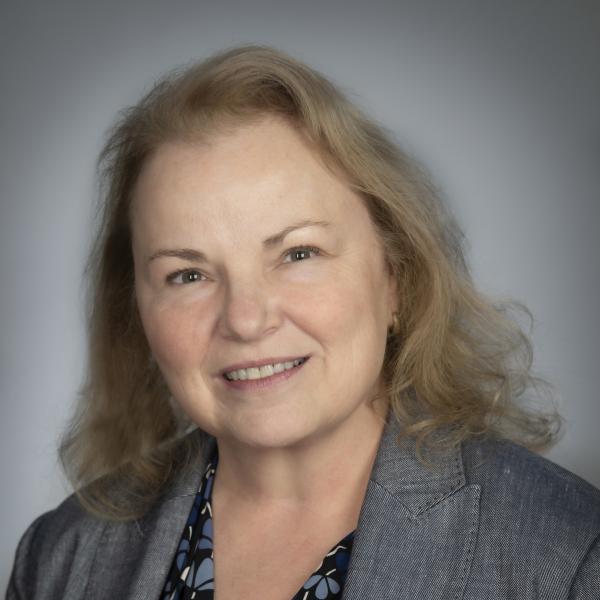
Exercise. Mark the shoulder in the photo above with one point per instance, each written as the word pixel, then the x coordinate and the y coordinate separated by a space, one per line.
pixel 59 542
pixel 535 516
pixel 518 481
pixel 63 548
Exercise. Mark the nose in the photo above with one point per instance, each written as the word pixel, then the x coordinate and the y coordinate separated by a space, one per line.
pixel 250 310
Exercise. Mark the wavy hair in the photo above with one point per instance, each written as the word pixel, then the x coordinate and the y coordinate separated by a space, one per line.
pixel 458 365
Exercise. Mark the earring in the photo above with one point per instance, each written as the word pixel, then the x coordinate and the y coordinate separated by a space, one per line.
pixel 396 327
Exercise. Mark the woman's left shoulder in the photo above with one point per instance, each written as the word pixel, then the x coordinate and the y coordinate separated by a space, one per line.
pixel 535 516
pixel 519 480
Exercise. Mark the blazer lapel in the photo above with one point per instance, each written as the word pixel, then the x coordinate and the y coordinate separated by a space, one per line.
pixel 417 528
pixel 133 558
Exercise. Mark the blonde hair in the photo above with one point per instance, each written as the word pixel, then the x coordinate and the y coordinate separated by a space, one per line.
pixel 456 367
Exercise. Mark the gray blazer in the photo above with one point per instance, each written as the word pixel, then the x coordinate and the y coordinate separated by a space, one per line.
pixel 492 521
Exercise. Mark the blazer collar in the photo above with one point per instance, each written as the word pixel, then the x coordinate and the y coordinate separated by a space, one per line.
pixel 417 526
pixel 417 486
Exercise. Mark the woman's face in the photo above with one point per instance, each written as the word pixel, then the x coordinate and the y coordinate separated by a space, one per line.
pixel 247 249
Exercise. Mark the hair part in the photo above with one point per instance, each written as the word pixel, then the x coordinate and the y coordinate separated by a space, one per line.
pixel 459 367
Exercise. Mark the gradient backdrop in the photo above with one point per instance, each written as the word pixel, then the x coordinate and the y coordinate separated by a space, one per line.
pixel 499 99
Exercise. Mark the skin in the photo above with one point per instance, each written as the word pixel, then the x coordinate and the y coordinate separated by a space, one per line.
pixel 315 435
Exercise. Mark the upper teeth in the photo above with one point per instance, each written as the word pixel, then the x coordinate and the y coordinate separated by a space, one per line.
pixel 264 371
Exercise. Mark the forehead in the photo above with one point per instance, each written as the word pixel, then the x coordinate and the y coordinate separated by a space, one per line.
pixel 257 176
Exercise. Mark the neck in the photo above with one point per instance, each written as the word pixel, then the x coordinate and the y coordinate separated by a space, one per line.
pixel 335 465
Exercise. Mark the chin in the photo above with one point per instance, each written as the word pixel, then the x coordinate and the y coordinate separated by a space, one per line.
pixel 273 433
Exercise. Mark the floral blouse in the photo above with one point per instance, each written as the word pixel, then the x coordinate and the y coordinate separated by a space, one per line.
pixel 191 574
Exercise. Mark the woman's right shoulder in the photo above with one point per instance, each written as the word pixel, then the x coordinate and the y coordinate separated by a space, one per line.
pixel 58 545
pixel 56 554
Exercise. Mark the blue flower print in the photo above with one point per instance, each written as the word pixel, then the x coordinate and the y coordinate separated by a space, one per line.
pixel 206 535
pixel 324 585
pixel 182 552
pixel 193 516
pixel 200 577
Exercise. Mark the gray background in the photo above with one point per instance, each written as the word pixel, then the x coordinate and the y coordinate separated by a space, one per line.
pixel 498 99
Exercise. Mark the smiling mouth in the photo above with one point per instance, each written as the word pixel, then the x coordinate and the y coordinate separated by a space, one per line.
pixel 265 371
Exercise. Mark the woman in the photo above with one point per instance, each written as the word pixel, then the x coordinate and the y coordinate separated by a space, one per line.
pixel 294 390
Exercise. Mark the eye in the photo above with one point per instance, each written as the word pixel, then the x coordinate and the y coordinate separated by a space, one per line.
pixel 184 276
pixel 301 251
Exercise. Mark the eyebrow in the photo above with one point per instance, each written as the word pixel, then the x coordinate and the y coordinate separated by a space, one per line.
pixel 272 241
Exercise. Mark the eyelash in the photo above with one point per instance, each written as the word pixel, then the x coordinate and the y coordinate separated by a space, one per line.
pixel 172 276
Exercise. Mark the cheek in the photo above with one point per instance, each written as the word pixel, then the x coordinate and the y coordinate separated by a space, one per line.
pixel 347 309
pixel 353 324
pixel 175 336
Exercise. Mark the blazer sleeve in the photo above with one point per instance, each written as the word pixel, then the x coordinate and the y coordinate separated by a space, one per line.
pixel 55 555
pixel 586 585
pixel 19 584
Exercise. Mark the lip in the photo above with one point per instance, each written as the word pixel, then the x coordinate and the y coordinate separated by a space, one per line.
pixel 265 382
pixel 249 364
